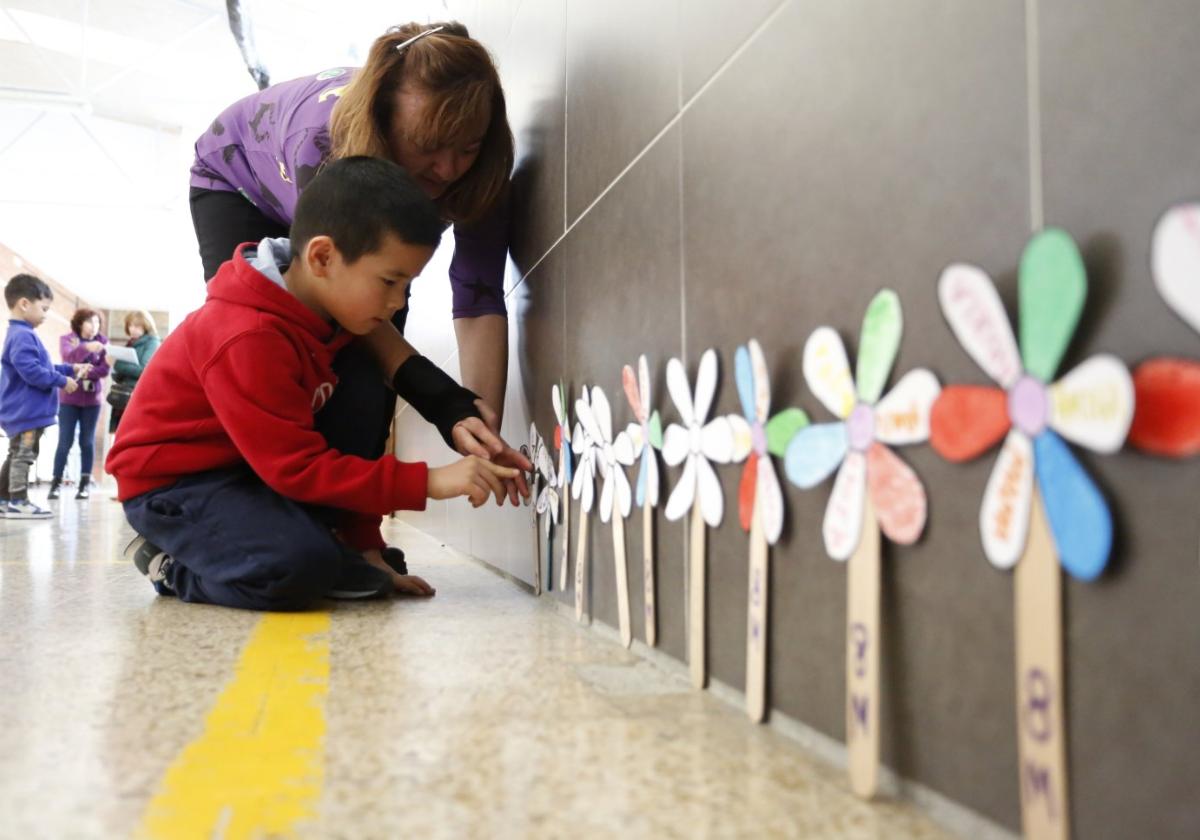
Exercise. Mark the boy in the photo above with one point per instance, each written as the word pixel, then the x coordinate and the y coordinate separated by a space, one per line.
pixel 235 495
pixel 29 384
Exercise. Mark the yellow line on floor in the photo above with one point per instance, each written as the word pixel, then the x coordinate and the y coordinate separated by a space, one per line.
pixel 257 769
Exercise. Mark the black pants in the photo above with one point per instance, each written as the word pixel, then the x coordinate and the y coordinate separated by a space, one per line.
pixel 356 420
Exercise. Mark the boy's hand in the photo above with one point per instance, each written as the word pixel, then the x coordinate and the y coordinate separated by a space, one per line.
pixel 72 386
pixel 478 436
pixel 405 584
pixel 473 477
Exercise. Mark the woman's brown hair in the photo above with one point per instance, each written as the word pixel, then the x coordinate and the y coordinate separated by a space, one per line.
pixel 82 315
pixel 457 74
pixel 144 318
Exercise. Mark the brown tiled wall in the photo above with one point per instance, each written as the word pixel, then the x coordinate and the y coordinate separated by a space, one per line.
pixel 692 174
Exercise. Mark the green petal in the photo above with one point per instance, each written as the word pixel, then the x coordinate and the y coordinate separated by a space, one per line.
pixel 656 436
pixel 782 428
pixel 878 344
pixel 1053 286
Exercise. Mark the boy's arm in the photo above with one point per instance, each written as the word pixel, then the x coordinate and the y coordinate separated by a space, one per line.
pixel 28 362
pixel 269 418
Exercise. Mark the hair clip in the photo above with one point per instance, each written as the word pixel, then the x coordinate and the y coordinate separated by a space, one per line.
pixel 418 37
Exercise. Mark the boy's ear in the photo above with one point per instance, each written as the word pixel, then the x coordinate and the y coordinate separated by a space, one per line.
pixel 318 255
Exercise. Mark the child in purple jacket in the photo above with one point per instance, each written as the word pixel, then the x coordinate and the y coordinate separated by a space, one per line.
pixel 80 408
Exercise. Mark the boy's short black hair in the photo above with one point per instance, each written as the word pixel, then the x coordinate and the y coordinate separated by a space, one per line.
pixel 26 286
pixel 357 201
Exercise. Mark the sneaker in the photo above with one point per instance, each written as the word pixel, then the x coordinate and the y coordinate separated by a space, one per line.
pixel 55 488
pixel 3 508
pixel 25 509
pixel 394 557
pixel 149 559
pixel 360 580
pixel 84 490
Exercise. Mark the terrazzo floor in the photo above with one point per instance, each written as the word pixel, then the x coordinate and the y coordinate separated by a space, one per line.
pixel 483 712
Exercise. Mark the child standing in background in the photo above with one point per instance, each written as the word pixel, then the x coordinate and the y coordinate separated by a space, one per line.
pixel 28 402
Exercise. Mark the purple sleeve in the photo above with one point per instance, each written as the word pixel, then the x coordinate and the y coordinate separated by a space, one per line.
pixel 477 267
pixel 71 349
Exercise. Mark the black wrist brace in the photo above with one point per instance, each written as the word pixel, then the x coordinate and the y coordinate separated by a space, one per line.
pixel 435 396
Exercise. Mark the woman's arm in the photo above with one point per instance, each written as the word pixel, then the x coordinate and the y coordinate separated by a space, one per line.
pixel 483 358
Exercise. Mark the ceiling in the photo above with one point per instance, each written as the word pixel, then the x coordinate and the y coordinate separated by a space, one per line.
pixel 100 103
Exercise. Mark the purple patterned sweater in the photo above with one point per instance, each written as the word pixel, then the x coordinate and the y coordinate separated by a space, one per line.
pixel 269 145
pixel 90 387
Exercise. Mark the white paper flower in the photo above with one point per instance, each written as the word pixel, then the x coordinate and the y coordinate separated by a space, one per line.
pixel 646 432
pixel 583 485
pixel 695 443
pixel 547 500
pixel 611 455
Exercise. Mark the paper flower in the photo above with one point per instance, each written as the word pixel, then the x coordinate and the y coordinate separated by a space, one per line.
pixel 583 483
pixel 1166 420
pixel 858 444
pixel 645 434
pixel 529 450
pixel 766 437
pixel 695 443
pixel 547 499
pixel 1092 406
pixel 562 436
pixel 610 454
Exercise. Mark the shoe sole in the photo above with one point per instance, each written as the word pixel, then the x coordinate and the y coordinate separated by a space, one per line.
pixel 46 515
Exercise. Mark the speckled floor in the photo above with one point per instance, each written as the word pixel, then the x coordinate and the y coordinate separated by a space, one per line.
pixel 480 713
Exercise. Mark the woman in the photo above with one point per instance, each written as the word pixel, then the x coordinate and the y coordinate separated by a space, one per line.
pixel 143 338
pixel 429 99
pixel 80 409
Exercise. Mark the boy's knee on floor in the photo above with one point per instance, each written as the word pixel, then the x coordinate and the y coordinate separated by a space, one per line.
pixel 307 576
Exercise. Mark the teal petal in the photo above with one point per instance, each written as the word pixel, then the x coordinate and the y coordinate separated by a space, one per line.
pixel 782 428
pixel 878 344
pixel 656 433
pixel 1053 286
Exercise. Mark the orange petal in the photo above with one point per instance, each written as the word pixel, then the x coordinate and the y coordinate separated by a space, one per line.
pixel 896 494
pixel 967 420
pixel 1166 419
pixel 746 491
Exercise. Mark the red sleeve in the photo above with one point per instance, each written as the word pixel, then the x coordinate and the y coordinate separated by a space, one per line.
pixel 255 389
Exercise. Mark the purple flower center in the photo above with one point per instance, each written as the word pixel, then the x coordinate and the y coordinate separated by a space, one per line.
pixel 1028 406
pixel 758 437
pixel 860 427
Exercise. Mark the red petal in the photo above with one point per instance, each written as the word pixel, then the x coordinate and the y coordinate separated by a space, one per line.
pixel 558 437
pixel 746 491
pixel 967 420
pixel 1166 420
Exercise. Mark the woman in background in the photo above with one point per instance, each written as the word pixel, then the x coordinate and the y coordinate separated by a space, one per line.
pixel 143 338
pixel 80 409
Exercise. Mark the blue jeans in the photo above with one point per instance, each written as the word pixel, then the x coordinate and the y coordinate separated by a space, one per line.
pixel 85 416
pixel 237 543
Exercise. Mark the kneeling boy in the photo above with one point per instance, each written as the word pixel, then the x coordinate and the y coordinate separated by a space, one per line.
pixel 237 499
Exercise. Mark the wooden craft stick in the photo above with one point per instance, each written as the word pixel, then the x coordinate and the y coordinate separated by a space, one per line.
pixel 537 555
pixel 619 561
pixel 862 658
pixel 756 618
pixel 648 575
pixel 581 564
pixel 565 563
pixel 1041 737
pixel 696 599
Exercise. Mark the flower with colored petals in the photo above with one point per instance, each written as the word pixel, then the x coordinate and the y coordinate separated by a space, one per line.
pixel 562 435
pixel 695 443
pixel 1091 406
pixel 583 484
pixel 645 433
pixel 857 446
pixel 610 454
pixel 766 437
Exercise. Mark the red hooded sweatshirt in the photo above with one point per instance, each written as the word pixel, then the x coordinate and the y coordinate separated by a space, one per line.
pixel 238 382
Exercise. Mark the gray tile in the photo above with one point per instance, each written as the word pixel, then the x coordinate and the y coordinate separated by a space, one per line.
pixel 622 88
pixel 710 31
pixel 630 241
pixel 533 70
pixel 1119 147
pixel 837 156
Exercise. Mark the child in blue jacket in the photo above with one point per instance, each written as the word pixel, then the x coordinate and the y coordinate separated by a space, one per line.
pixel 28 397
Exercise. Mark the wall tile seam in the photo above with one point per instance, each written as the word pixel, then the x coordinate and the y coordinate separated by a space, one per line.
pixel 678 117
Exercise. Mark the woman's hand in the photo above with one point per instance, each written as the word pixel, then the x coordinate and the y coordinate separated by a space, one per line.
pixel 480 436
pixel 93 346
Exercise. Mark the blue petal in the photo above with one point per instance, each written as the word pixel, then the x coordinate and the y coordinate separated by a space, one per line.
pixel 744 374
pixel 1078 514
pixel 814 453
pixel 567 462
pixel 641 482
